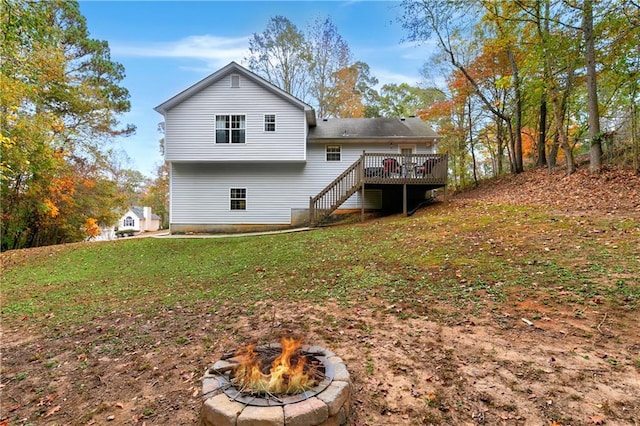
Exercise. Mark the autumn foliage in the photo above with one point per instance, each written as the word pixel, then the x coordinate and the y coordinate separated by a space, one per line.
pixel 59 99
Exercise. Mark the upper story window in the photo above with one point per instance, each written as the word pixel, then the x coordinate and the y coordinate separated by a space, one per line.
pixel 269 122
pixel 333 152
pixel 230 129
pixel 128 221
pixel 235 80
pixel 238 198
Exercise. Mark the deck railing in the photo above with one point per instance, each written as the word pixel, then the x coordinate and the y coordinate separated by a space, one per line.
pixel 425 169
pixel 378 168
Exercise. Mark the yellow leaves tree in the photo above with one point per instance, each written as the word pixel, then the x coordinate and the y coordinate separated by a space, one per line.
pixel 353 94
pixel 59 94
pixel 344 101
pixel 91 227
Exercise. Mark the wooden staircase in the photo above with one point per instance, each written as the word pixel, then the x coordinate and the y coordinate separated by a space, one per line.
pixel 337 192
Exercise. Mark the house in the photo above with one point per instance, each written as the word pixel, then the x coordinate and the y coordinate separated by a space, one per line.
pixel 138 219
pixel 245 155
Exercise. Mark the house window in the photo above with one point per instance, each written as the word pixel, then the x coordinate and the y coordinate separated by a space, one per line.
pixel 269 122
pixel 238 197
pixel 333 152
pixel 235 80
pixel 230 128
pixel 128 222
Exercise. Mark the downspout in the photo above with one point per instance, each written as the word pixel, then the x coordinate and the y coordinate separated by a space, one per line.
pixel 361 178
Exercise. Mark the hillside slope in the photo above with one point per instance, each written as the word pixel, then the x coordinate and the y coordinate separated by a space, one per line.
pixel 611 192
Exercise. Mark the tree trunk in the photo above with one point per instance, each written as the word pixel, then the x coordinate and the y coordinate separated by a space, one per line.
pixel 500 147
pixel 635 145
pixel 511 148
pixel 553 152
pixel 542 133
pixel 559 114
pixel 518 166
pixel 595 136
pixel 471 146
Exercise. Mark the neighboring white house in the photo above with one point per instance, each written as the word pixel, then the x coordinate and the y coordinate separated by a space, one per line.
pixel 138 219
pixel 107 233
pixel 246 155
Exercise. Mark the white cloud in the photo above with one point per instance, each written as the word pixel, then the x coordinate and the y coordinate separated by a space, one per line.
pixel 215 51
pixel 398 63
pixel 385 76
pixel 421 51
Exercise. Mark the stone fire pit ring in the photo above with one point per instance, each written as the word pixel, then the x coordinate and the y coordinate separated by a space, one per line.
pixel 328 405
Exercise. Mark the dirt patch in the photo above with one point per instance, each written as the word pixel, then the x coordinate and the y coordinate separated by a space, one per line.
pixel 494 369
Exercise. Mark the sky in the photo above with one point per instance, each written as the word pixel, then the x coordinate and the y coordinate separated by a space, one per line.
pixel 167 46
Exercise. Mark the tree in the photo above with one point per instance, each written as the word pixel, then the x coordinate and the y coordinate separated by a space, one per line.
pixel 282 55
pixel 157 194
pixel 59 101
pixel 316 68
pixel 595 137
pixel 353 94
pixel 446 20
pixel 330 53
pixel 404 100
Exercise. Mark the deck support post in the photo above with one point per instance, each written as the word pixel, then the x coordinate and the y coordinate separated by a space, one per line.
pixel 312 213
pixel 404 199
pixel 362 203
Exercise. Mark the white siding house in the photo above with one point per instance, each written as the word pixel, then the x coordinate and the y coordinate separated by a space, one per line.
pixel 245 155
pixel 138 219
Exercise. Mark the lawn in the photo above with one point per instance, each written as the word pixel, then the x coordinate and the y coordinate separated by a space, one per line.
pixel 428 312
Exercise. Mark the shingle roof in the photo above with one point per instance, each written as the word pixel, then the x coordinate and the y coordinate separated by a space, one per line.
pixel 139 211
pixel 372 128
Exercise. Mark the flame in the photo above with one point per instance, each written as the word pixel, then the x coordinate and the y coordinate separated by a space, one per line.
pixel 283 376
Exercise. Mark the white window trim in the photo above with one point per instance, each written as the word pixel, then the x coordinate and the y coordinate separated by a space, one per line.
pixel 215 128
pixel 234 76
pixel 246 196
pixel 404 146
pixel 326 147
pixel 264 123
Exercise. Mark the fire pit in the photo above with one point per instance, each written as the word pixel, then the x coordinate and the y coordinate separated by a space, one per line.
pixel 282 383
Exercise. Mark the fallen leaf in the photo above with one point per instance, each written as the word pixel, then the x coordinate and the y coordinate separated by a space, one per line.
pixel 51 411
pixel 47 400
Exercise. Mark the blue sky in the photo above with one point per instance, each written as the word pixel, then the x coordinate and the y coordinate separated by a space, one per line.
pixel 166 46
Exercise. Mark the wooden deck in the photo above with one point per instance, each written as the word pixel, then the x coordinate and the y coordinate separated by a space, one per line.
pixel 378 169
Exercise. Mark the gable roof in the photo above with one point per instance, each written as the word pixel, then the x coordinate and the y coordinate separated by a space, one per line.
pixel 234 68
pixel 139 211
pixel 380 128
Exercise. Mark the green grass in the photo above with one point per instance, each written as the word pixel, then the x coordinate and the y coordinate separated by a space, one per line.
pixel 468 259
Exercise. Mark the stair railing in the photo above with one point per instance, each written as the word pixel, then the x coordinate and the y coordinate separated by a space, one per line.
pixel 336 193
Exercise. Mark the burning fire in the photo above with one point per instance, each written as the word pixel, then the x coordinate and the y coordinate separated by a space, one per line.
pixel 286 374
